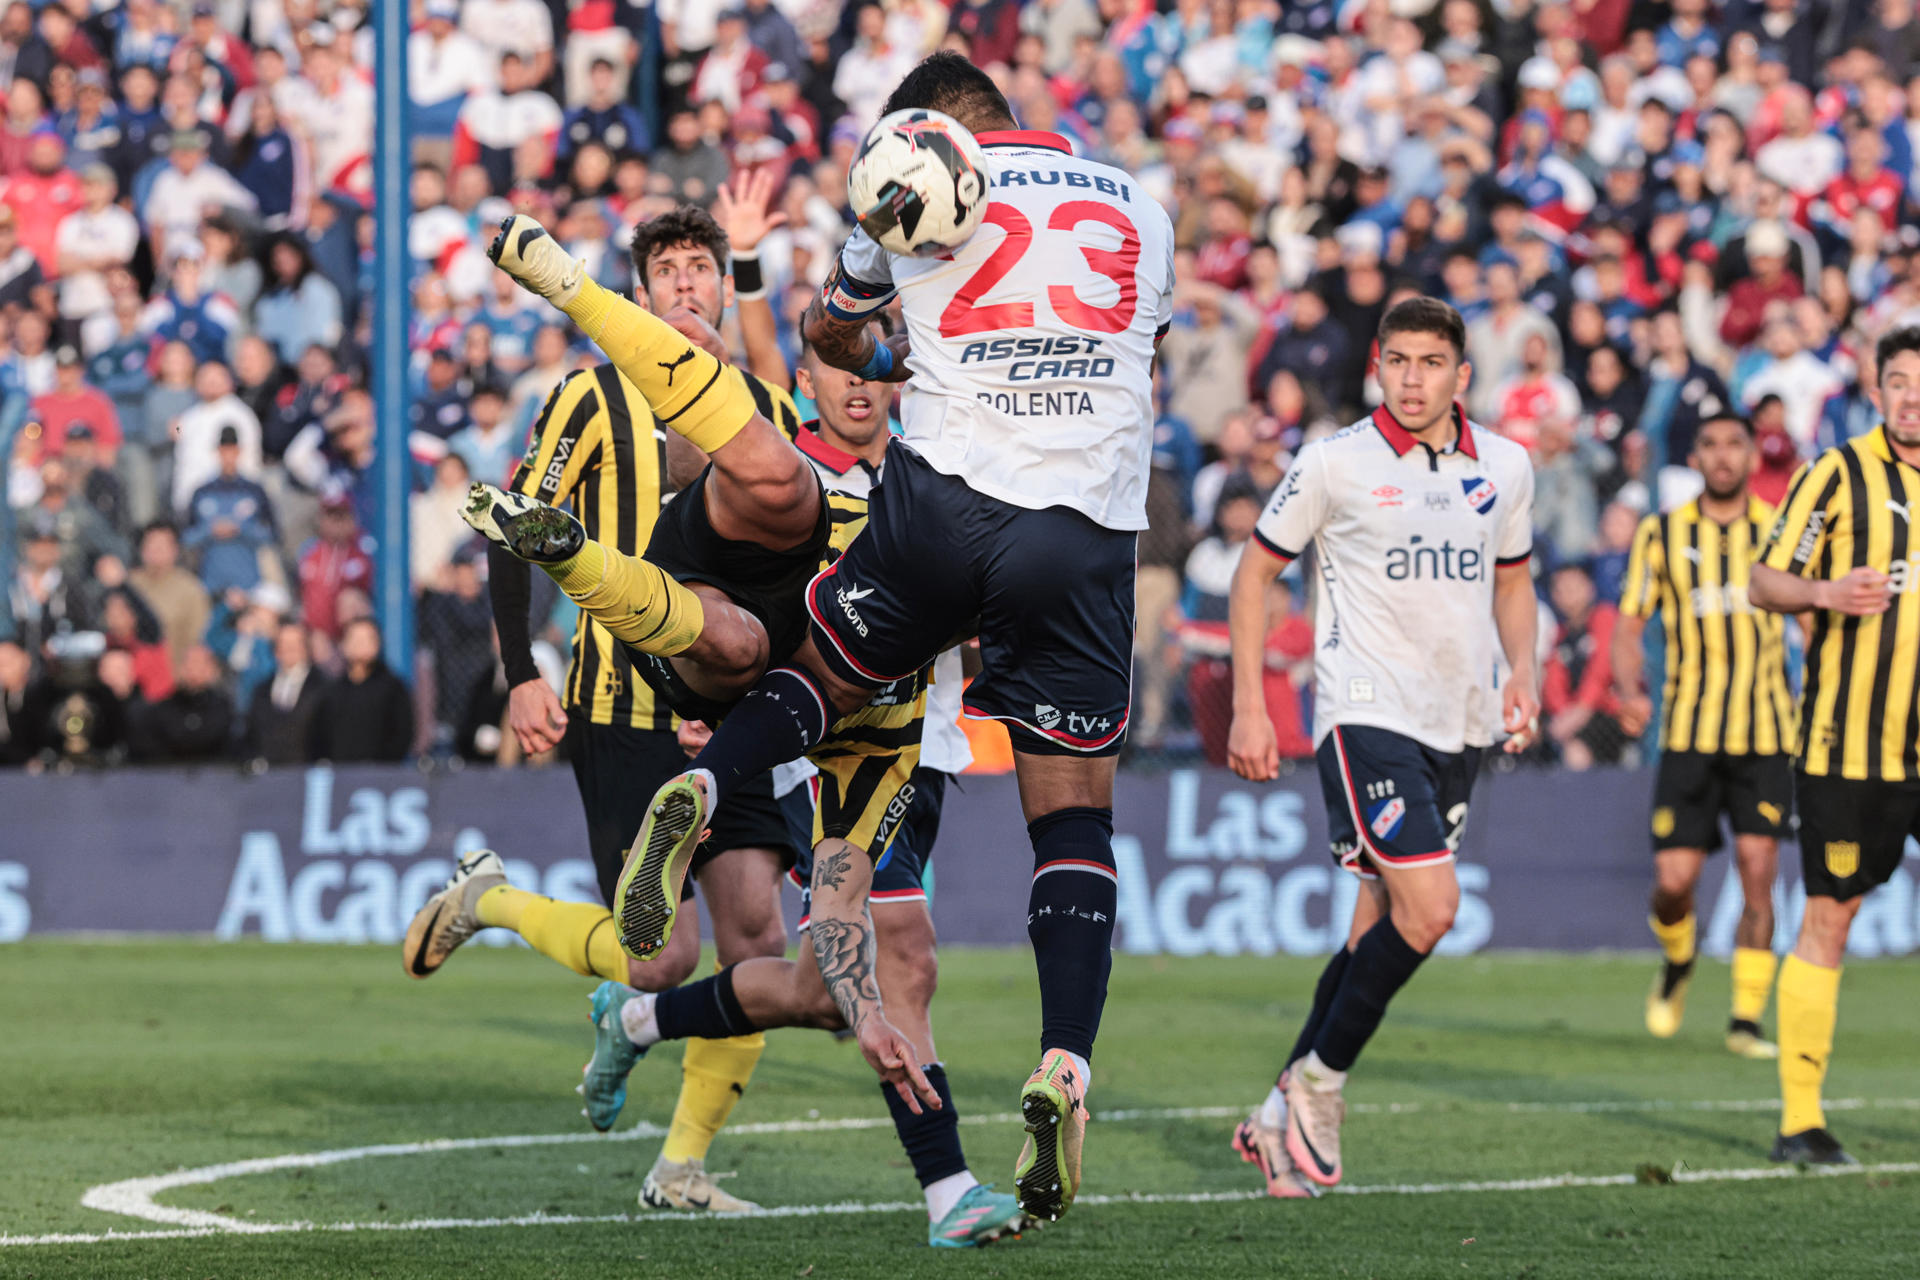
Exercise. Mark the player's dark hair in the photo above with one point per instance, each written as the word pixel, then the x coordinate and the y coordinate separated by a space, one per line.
pixel 948 83
pixel 1426 315
pixel 689 224
pixel 1740 420
pixel 1891 344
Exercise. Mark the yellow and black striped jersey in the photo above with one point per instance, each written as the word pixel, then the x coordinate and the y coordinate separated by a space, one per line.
pixel 775 405
pixel 597 448
pixel 1848 508
pixel 1726 688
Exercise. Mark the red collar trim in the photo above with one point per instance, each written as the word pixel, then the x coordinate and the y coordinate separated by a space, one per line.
pixel 820 451
pixel 1402 440
pixel 1024 138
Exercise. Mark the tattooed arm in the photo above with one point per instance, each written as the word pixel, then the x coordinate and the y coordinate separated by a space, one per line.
pixel 843 950
pixel 848 343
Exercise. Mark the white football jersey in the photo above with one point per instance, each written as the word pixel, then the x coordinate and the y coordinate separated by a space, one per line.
pixel 1407 541
pixel 943 743
pixel 1032 345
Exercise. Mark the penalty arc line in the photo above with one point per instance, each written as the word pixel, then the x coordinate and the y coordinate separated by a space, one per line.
pixel 134 1197
pixel 1552 1183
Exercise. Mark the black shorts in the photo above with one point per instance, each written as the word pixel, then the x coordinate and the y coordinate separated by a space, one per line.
pixel 1694 788
pixel 768 584
pixel 1853 834
pixel 618 768
pixel 1392 801
pixel 1050 594
pixel 902 873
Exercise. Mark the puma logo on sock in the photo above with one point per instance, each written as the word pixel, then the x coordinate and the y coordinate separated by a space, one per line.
pixel 671 368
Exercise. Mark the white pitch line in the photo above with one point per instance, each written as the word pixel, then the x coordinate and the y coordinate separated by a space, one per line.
pixel 134 1197
pixel 1555 1182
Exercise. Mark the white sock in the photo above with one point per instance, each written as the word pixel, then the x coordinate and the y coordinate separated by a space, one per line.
pixel 946 1193
pixel 1318 1076
pixel 637 1020
pixel 1273 1112
pixel 1080 1065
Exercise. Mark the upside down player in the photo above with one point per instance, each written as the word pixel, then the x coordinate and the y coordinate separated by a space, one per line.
pixel 1729 722
pixel 1422 526
pixel 1842 549
pixel 596 444
pixel 1015 502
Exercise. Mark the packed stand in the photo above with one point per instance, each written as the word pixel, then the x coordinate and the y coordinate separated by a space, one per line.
pixel 1644 210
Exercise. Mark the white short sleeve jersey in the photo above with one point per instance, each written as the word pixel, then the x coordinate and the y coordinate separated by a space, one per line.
pixel 1407 541
pixel 1032 346
pixel 943 743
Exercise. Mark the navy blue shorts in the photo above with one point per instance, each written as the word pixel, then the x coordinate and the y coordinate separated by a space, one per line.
pixel 1050 594
pixel 1392 801
pixel 902 873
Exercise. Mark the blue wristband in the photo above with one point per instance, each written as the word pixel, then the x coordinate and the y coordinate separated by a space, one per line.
pixel 878 365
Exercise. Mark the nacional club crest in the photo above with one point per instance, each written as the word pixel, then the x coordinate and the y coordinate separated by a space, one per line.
pixel 1480 493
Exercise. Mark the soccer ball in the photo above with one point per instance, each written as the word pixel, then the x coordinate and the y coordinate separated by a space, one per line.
pixel 919 185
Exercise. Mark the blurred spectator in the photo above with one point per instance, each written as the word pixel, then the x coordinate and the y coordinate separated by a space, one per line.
pixel 1770 281
pixel 300 307
pixel 230 523
pixel 42 196
pixel 131 628
pixel 1801 380
pixel 71 405
pixel 434 528
pixel 282 717
pixel 92 241
pixel 20 272
pixel 98 487
pixel 259 378
pixel 867 72
pixel 1312 347
pixel 241 634
pixel 523 28
pixel 41 598
pixel 730 73
pixel 510 131
pixel 1681 392
pixel 188 313
pixel 456 625
pixel 1209 574
pixel 230 270
pixel 603 119
pixel 1576 688
pixel 199 430
pixel 174 594
pixel 1778 457
pixel 444 66
pixel 1497 340
pixel 338 559
pixel 367 714
pixel 1618 521
pixel 488 444
pixel 185 190
pixel 84 534
pixel 511 317
pixel 195 722
pixel 1206 357
pixel 22 720
pixel 1537 393
pixel 1566 504
pixel 689 168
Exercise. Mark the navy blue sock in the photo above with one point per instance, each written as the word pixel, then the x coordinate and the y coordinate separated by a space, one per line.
pixel 1382 962
pixel 1070 922
pixel 1323 993
pixel 780 719
pixel 932 1138
pixel 706 1009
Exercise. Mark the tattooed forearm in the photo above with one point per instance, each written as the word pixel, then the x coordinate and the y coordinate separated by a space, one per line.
pixel 830 870
pixel 844 344
pixel 844 951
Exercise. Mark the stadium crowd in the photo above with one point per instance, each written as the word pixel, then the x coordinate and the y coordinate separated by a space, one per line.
pixel 1646 210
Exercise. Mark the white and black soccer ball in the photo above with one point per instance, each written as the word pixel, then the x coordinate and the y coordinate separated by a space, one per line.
pixel 919 185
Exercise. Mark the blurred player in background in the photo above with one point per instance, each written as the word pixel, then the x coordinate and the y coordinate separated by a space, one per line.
pixel 1422 528
pixel 1842 549
pixel 1728 722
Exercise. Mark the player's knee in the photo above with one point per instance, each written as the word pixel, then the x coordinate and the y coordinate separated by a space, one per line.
pixel 664 973
pixel 1672 886
pixel 1423 924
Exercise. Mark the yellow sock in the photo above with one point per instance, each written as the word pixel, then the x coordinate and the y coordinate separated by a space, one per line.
pixel 579 935
pixel 1676 939
pixel 713 1076
pixel 637 601
pixel 1752 981
pixel 1809 1003
pixel 682 383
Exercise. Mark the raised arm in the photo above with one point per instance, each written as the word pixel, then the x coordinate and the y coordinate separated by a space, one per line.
pixel 744 214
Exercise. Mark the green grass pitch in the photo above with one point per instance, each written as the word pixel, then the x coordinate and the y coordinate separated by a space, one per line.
pixel 133 1060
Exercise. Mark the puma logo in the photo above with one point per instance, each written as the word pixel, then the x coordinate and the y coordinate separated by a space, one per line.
pixel 1691 553
pixel 1898 508
pixel 1810 1060
pixel 674 366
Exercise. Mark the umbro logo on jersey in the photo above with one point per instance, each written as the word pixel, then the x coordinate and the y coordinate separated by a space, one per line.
pixel 1388 496
pixel 1480 493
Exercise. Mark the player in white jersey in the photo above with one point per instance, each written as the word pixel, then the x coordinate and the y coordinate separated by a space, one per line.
pixel 1011 511
pixel 1422 527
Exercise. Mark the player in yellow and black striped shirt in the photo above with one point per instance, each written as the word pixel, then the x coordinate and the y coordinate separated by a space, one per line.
pixel 598 448
pixel 1842 550
pixel 1728 722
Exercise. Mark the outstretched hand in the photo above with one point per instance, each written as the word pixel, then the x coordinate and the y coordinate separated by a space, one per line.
pixel 741 209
